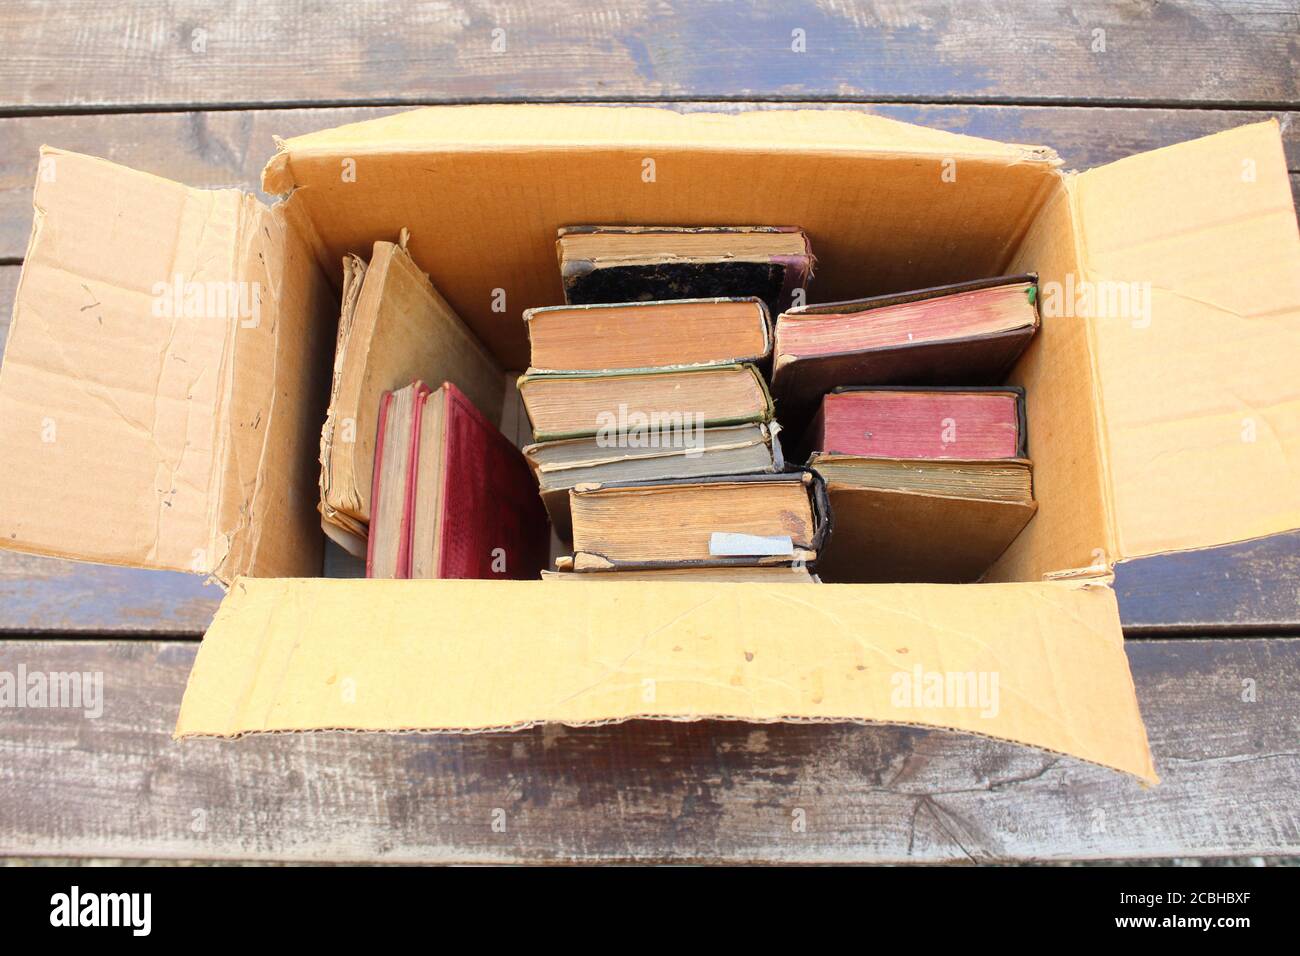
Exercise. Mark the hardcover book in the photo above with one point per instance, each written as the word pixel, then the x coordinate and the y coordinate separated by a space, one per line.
pixel 388 545
pixel 727 450
pixel 455 499
pixel 908 520
pixel 628 335
pixel 613 404
pixel 742 520
pixel 643 263
pixel 920 422
pixel 970 333
pixel 394 328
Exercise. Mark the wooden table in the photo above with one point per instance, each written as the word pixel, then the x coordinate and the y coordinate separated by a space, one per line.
pixel 194 90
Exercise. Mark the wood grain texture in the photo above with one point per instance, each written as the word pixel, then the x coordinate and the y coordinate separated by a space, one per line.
pixel 716 792
pixel 44 595
pixel 91 55
pixel 1251 586
pixel 229 148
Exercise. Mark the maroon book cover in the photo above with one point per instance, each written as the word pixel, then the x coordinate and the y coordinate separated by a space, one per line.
pixel 493 524
pixel 975 424
pixel 384 403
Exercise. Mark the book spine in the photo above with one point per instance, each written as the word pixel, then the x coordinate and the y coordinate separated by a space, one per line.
pixel 384 403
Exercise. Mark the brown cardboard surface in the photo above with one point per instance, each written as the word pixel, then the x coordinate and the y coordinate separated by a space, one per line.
pixel 1199 408
pixel 150 428
pixel 1070 529
pixel 457 656
pixel 278 388
pixel 518 173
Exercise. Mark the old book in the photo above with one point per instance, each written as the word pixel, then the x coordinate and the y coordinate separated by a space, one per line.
pixel 339 526
pixel 388 551
pixel 965 334
pixel 476 513
pixel 920 422
pixel 939 520
pixel 763 574
pixel 663 402
pixel 394 328
pixel 733 520
pixel 455 499
pixel 627 335
pixel 727 450
pixel 642 263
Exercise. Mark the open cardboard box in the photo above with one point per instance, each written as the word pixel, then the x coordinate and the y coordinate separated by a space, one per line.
pixel 140 433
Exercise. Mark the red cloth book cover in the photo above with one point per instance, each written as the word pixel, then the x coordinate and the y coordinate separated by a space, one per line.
pixel 975 424
pixel 493 524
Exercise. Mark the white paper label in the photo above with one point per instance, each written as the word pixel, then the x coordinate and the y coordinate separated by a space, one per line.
pixel 726 544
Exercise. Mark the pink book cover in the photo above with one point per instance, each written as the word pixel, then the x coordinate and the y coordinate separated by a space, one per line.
pixel 922 423
pixel 492 522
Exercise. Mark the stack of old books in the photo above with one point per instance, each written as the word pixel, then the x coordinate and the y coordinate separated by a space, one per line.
pixel 901 410
pixel 653 398
pixel 656 450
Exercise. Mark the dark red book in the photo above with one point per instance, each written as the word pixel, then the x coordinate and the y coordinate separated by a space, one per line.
pixel 973 424
pixel 477 512
pixel 456 499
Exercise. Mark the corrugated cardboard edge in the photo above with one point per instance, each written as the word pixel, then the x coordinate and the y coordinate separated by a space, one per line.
pixel 289 655
pixel 502 127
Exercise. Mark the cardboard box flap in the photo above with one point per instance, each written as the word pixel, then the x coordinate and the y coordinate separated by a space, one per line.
pixel 1039 664
pixel 119 394
pixel 556 126
pixel 1191 267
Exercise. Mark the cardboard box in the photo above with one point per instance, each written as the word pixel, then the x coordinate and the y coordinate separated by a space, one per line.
pixel 142 423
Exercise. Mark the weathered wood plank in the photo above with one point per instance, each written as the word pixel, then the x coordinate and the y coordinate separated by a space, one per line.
pixel 119 786
pixel 42 595
pixel 88 55
pixel 229 148
pixel 1249 586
